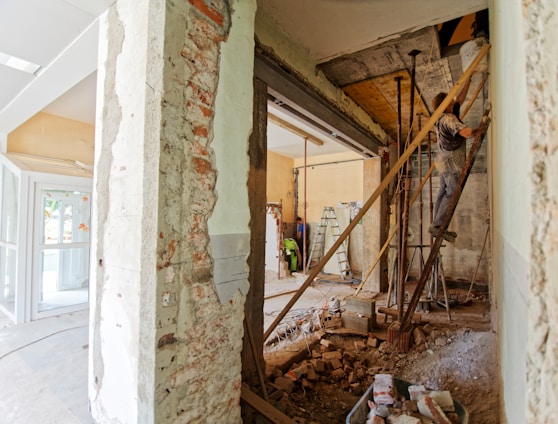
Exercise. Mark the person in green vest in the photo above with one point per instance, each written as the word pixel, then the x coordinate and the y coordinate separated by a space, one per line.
pixel 291 253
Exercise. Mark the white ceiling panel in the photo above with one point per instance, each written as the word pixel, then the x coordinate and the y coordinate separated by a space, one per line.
pixel 332 28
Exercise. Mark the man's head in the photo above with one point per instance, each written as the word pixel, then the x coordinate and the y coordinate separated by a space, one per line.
pixel 298 219
pixel 437 101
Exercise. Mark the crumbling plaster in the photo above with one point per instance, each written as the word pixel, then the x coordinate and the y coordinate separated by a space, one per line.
pixel 165 134
pixel 541 32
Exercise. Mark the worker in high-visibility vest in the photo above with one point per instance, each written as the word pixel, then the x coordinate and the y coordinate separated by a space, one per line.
pixel 291 252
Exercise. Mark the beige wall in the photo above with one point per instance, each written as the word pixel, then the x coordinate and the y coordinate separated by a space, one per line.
pixel 51 136
pixel 280 183
pixel 337 178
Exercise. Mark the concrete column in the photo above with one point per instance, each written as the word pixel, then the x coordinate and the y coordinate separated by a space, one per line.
pixel 374 226
pixel 174 97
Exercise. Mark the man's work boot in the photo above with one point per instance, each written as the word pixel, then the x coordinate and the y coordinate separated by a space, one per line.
pixel 448 236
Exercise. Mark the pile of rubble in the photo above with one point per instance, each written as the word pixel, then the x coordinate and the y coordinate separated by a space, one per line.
pixel 354 371
pixel 422 406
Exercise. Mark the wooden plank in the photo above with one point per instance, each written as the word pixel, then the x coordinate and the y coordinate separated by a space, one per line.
pixel 294 129
pixel 263 407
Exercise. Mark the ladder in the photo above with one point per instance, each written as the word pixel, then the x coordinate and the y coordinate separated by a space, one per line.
pixel 434 250
pixel 329 219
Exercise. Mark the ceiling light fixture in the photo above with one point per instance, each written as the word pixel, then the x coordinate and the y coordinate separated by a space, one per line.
pixel 19 64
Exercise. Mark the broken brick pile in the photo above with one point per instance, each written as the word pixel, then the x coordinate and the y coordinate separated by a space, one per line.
pixel 422 407
pixel 328 364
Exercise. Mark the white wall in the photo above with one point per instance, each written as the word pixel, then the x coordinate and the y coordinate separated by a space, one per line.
pixel 509 167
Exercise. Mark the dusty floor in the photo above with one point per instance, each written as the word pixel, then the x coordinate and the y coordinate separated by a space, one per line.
pixel 459 356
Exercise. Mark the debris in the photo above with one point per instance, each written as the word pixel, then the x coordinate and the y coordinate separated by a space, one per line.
pixel 384 389
pixel 429 408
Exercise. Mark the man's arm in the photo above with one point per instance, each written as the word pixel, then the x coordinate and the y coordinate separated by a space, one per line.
pixel 468 132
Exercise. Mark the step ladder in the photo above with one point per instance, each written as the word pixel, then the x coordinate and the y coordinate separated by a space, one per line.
pixel 435 249
pixel 329 220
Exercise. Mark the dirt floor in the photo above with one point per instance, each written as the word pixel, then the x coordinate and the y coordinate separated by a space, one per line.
pixel 458 355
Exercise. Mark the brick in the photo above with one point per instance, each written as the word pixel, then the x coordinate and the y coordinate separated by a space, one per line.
pixel 453 417
pixel 349 356
pixel 409 406
pixel 336 364
pixel 329 346
pixel 429 408
pixel 419 336
pixel 306 383
pixel 311 373
pixel 359 305
pixel 285 384
pixel 338 374
pixel 384 389
pixel 372 342
pixel 332 355
pixel 356 323
pixel 297 373
pixel 406 419
pixel 359 345
pixel 417 392
pixel 318 364
pixel 443 399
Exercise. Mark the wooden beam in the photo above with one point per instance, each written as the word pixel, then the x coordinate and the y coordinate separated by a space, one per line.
pixel 263 407
pixel 294 129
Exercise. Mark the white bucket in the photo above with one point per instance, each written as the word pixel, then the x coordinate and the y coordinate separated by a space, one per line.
pixel 470 50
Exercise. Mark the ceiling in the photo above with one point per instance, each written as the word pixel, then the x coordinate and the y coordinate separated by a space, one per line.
pixel 360 45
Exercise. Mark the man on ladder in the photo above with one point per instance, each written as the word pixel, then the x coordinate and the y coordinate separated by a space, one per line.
pixel 450 159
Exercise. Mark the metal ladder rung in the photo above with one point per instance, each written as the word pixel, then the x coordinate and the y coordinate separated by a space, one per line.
pixel 329 218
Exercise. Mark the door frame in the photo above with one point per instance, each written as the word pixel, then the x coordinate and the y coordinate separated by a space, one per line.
pixel 35 215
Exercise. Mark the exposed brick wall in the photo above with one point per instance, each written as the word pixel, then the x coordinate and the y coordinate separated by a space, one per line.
pixel 198 374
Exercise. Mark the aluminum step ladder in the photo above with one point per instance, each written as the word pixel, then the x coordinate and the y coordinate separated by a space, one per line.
pixel 329 220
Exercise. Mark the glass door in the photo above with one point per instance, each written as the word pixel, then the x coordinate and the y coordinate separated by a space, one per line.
pixel 62 251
